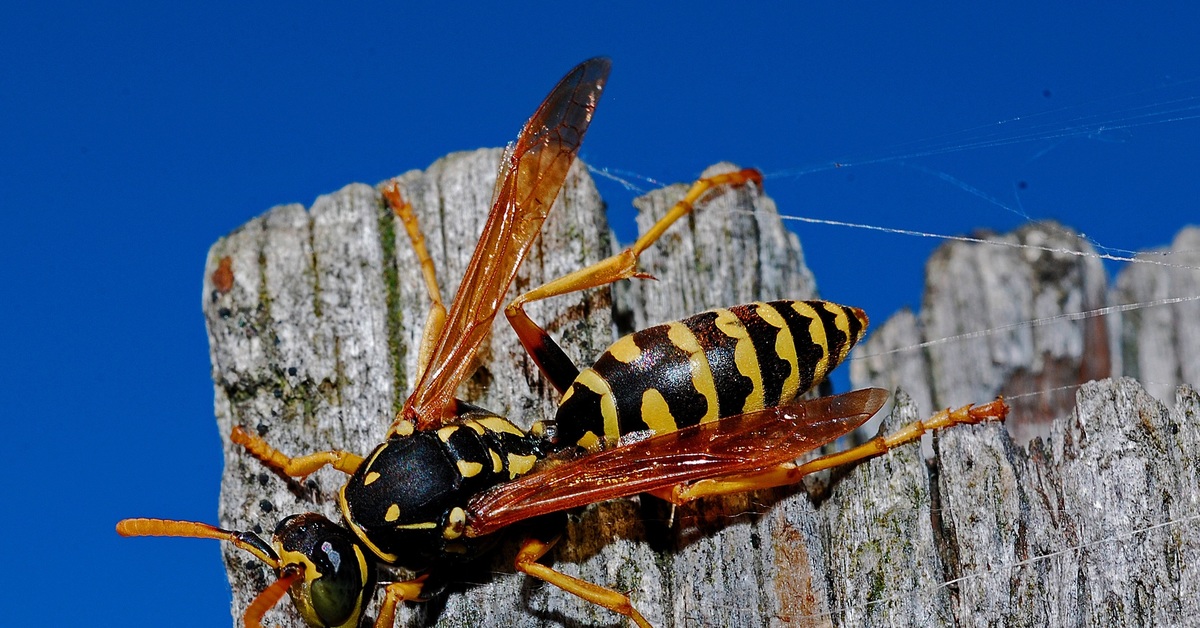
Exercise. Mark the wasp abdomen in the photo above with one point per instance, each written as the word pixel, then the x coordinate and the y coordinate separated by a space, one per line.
pixel 720 363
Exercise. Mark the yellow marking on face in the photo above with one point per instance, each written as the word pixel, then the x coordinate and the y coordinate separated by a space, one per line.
pixel 816 330
pixel 497 462
pixel 446 432
pixel 303 601
pixel 292 557
pixel 503 426
pixel 303 604
pixel 702 377
pixel 311 574
pixel 656 413
pixel 455 524
pixel 785 349
pixel 392 514
pixel 520 465
pixel 370 477
pixel 589 441
pixel 468 469
pixel 608 406
pixel 625 350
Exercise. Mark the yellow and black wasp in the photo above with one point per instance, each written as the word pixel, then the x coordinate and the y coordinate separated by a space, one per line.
pixel 706 405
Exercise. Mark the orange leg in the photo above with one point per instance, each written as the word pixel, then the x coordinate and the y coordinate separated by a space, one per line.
pixel 271 595
pixel 790 473
pixel 532 549
pixel 437 309
pixel 393 595
pixel 343 461
pixel 555 365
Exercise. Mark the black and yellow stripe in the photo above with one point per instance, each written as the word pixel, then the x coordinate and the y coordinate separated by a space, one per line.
pixel 409 493
pixel 720 363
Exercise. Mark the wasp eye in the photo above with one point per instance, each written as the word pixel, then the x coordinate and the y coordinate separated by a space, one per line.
pixel 336 593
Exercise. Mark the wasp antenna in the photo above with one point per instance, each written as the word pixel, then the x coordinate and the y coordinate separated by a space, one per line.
pixel 247 541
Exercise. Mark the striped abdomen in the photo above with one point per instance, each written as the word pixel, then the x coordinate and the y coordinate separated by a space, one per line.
pixel 716 364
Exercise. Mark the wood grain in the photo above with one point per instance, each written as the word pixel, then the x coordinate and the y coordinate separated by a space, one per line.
pixel 313 344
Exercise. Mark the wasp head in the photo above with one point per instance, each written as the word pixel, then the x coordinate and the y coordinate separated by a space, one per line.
pixel 319 563
pixel 336 575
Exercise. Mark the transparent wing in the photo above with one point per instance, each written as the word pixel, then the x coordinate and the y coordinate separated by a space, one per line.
pixel 531 174
pixel 738 444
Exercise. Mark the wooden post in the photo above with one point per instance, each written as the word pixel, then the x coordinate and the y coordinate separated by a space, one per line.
pixel 314 324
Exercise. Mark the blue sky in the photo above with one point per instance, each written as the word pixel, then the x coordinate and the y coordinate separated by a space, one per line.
pixel 134 137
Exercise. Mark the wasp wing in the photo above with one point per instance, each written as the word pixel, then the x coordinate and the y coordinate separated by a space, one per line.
pixel 738 444
pixel 531 173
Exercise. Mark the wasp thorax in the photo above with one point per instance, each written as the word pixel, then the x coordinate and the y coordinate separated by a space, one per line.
pixel 407 501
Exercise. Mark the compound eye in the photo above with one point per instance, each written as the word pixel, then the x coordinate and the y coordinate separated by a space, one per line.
pixel 337 593
pixel 338 575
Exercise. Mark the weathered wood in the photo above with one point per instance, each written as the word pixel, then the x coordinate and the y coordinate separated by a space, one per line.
pixel 1088 526
pixel 1018 277
pixel 314 344
pixel 1095 527
pixel 1157 345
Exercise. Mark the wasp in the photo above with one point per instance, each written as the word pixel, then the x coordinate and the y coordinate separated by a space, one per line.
pixel 707 405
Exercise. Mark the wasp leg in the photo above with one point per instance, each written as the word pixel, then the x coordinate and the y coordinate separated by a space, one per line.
pixel 302 466
pixel 550 358
pixel 790 473
pixel 270 596
pixel 393 594
pixel 437 309
pixel 532 549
